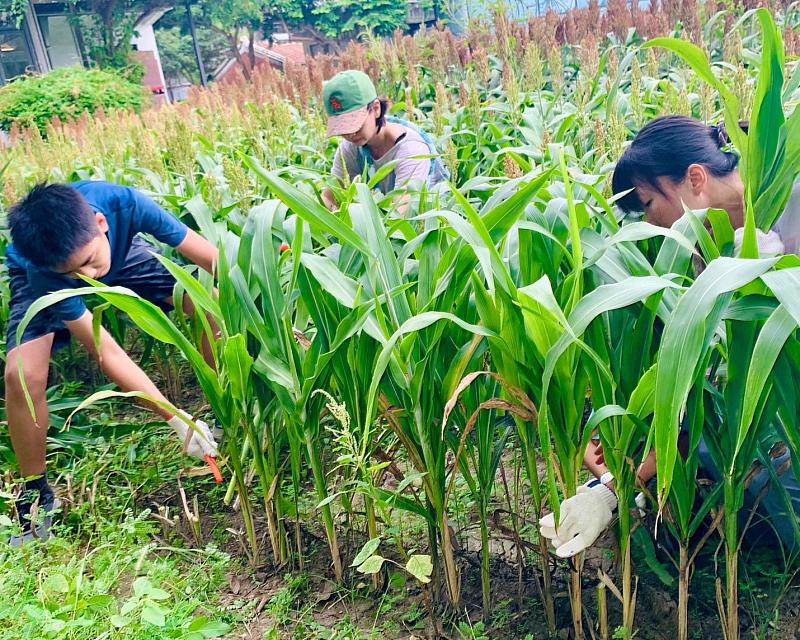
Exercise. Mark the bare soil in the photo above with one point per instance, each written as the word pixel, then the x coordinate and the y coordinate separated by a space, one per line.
pixel 393 612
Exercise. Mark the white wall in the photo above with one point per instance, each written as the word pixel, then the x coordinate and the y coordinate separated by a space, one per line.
pixel 145 38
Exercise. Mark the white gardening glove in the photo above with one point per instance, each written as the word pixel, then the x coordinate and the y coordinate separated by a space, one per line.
pixel 200 442
pixel 769 244
pixel 641 504
pixel 584 517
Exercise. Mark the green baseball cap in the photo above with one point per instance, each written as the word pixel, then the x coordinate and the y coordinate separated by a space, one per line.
pixel 347 97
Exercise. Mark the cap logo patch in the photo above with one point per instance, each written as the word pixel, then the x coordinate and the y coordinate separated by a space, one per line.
pixel 335 104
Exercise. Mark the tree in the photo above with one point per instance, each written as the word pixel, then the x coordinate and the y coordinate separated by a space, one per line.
pixel 236 20
pixel 177 49
pixel 328 21
pixel 331 21
pixel 349 18
pixel 104 28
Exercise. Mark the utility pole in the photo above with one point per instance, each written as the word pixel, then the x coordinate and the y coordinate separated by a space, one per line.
pixel 198 56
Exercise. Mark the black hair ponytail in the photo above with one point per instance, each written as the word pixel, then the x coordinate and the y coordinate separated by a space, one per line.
pixel 380 120
pixel 664 148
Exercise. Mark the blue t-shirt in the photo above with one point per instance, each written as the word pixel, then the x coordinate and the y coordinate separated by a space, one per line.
pixel 128 212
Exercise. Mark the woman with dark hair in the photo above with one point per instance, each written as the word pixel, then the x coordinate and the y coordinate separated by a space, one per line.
pixel 372 139
pixel 677 160
pixel 672 162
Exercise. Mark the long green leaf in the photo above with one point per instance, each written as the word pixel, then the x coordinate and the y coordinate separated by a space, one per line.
pixel 307 207
pixel 682 348
pixel 770 342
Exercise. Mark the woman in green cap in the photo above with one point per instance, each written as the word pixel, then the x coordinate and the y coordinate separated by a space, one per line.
pixel 371 139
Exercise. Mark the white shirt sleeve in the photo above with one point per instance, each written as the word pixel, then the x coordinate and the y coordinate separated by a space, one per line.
pixel 410 171
pixel 788 225
pixel 347 157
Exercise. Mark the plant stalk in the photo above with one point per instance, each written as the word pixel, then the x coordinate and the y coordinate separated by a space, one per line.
pixel 731 561
pixel 576 604
pixel 544 554
pixel 244 503
pixel 628 595
pixel 602 611
pixel 372 531
pixel 683 593
pixel 485 583
pixel 327 515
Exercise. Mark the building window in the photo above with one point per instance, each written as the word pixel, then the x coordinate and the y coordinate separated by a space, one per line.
pixel 59 40
pixel 15 56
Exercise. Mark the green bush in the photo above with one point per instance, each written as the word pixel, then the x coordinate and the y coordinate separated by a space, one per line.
pixel 66 93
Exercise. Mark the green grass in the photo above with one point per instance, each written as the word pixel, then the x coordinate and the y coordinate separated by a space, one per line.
pixel 112 570
pixel 108 572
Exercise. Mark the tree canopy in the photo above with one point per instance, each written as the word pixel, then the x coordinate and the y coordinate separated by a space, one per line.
pixel 104 28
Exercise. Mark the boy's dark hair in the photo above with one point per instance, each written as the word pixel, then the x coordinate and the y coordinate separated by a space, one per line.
pixel 664 148
pixel 50 223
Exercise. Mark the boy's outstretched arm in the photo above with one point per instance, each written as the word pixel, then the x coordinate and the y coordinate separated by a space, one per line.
pixel 200 251
pixel 114 361
pixel 128 376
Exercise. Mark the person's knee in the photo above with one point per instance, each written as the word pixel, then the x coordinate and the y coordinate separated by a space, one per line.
pixel 35 378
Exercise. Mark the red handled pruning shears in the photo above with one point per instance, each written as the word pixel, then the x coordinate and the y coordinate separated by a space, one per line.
pixel 211 461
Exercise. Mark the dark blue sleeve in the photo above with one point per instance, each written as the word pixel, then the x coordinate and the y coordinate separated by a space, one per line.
pixel 66 310
pixel 148 217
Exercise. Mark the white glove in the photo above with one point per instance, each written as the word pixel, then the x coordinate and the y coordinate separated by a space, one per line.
pixel 641 504
pixel 584 517
pixel 769 244
pixel 200 442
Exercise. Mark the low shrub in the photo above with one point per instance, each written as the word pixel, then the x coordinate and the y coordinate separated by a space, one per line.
pixel 66 93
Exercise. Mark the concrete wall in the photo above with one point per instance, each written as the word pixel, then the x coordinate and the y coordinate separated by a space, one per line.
pixel 144 41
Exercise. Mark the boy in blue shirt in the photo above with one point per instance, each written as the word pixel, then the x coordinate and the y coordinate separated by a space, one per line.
pixel 59 232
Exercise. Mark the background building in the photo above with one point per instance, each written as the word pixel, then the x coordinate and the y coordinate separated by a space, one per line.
pixel 46 39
